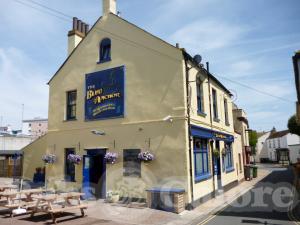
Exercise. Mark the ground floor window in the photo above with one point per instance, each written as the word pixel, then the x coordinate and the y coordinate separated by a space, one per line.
pixel 201 159
pixel 69 166
pixel 131 163
pixel 228 157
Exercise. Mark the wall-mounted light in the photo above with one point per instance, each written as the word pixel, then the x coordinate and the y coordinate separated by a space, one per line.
pixel 98 132
pixel 168 119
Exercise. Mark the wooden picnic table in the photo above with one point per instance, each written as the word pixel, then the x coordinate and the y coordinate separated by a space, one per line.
pixel 7 187
pixel 48 204
pixel 15 199
pixel 30 192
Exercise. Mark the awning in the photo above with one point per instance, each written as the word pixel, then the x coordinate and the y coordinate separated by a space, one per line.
pixel 210 134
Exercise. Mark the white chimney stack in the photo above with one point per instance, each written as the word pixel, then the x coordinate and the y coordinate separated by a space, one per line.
pixel 109 6
pixel 77 33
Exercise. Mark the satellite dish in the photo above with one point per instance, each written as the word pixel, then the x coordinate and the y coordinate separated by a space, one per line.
pixel 198 59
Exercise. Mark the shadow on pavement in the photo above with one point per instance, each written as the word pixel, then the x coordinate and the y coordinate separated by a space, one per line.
pixel 281 178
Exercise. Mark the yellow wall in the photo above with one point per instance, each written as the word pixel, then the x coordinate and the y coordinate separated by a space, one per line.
pixel 203 188
pixel 33 157
pixel 155 88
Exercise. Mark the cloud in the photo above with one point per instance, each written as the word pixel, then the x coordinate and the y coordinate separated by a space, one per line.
pixel 206 35
pixel 21 82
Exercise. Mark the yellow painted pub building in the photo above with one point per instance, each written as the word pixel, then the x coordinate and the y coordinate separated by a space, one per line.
pixel 124 92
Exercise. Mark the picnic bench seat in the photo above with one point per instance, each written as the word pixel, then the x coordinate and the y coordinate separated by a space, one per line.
pixel 55 211
pixel 59 203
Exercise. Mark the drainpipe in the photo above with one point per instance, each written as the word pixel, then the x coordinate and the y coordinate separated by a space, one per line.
pixel 211 126
pixel 189 129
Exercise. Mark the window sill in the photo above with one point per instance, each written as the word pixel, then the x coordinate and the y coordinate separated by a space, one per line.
pixel 70 181
pixel 104 61
pixel 200 113
pixel 217 120
pixel 229 169
pixel 202 178
pixel 70 120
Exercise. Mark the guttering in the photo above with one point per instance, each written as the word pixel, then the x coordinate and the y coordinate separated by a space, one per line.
pixel 211 126
pixel 190 206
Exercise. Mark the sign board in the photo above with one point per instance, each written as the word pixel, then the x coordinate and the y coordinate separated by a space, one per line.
pixel 105 94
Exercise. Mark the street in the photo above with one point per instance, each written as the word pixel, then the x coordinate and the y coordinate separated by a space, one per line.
pixel 269 202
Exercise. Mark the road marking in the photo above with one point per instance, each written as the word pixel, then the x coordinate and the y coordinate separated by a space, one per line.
pixel 290 214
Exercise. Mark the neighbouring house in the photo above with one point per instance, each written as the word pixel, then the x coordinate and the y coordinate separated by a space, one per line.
pixel 241 126
pixel 11 153
pixel 36 127
pixel 278 145
pixel 123 92
pixel 262 147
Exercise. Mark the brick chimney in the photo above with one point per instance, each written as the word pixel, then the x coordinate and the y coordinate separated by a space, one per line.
pixel 109 6
pixel 77 33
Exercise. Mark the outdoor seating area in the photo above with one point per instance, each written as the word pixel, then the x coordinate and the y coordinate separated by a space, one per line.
pixel 36 201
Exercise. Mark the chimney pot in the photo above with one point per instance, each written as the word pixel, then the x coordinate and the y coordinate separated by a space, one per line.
pixel 86 28
pixel 75 21
pixel 82 28
pixel 79 25
pixel 177 45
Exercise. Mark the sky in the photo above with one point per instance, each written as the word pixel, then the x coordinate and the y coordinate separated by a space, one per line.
pixel 246 43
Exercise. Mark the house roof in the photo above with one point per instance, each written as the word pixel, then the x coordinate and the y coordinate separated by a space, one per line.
pixel 35 120
pixel 190 58
pixel 279 134
pixel 259 134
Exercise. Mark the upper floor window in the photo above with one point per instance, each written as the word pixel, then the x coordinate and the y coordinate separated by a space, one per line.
pixel 215 105
pixel 278 143
pixel 200 105
pixel 71 105
pixel 105 50
pixel 226 111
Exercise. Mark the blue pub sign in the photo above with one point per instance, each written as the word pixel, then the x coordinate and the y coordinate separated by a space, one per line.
pixel 105 94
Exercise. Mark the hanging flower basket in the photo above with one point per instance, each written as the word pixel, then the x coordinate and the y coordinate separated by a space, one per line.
pixel 73 158
pixel 146 156
pixel 223 151
pixel 111 157
pixel 216 153
pixel 49 158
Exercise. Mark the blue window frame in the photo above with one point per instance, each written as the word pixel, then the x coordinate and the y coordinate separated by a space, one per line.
pixel 200 107
pixel 105 50
pixel 228 157
pixel 201 159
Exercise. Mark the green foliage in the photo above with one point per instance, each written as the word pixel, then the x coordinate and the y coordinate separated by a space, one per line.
pixel 293 126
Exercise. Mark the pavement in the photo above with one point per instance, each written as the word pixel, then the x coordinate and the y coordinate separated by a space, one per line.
pixel 236 206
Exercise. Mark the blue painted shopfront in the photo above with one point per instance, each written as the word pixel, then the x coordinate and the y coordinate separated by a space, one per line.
pixel 202 132
pixel 203 138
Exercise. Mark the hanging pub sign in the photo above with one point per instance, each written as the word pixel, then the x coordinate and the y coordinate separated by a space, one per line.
pixel 104 97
